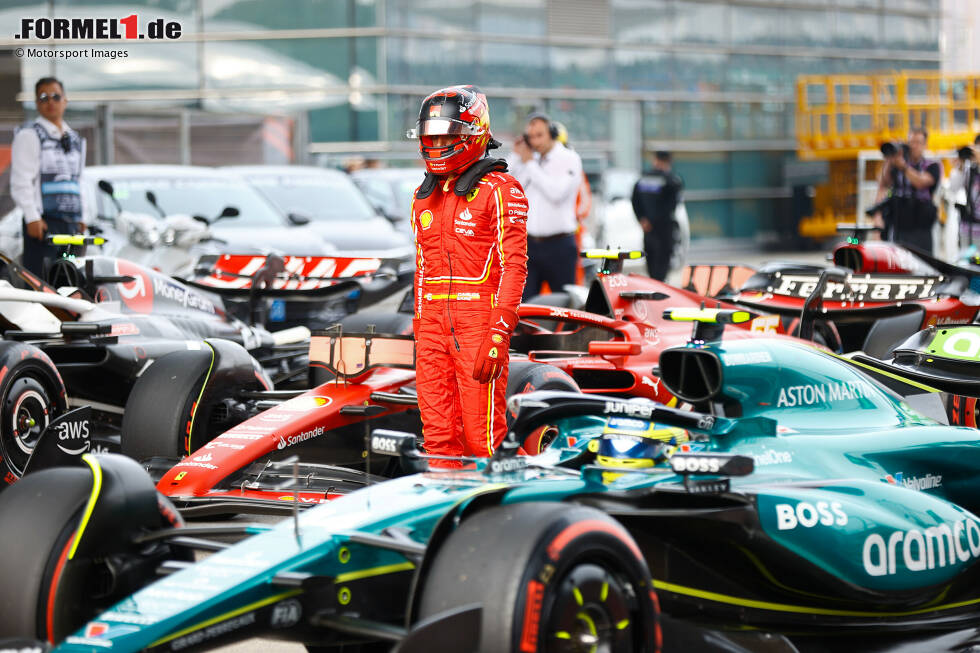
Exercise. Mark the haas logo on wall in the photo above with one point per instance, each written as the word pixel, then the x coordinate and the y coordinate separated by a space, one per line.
pixel 137 294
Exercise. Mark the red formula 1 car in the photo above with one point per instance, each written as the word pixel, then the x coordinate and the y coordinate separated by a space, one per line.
pixel 874 296
pixel 362 380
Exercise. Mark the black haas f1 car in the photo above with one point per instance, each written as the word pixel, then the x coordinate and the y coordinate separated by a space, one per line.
pixel 873 297
pixel 98 340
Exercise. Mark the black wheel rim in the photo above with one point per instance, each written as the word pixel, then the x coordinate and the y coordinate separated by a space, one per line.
pixel 594 611
pixel 27 411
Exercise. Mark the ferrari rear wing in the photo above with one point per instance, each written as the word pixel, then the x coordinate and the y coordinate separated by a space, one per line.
pixel 240 273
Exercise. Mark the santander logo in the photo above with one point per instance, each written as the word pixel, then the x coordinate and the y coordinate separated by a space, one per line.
pixel 137 294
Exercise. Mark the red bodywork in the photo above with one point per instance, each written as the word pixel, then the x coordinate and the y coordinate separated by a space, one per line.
pixel 886 279
pixel 628 344
pixel 638 321
pixel 304 417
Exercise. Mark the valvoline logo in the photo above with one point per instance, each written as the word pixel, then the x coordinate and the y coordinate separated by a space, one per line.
pixel 137 294
pixel 927 482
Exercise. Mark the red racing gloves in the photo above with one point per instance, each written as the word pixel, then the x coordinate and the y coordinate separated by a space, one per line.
pixel 492 356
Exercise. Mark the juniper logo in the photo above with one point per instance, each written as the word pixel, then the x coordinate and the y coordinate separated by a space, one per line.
pixel 81 29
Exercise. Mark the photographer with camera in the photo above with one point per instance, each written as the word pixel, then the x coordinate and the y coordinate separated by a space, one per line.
pixel 964 185
pixel 905 190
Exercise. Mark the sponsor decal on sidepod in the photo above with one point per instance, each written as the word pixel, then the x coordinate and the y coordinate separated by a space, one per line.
pixel 921 549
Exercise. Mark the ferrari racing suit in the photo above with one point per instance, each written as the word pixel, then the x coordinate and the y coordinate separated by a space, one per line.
pixel 471 256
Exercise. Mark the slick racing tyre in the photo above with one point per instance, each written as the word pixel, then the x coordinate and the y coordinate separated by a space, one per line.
pixel 47 591
pixel 31 395
pixel 529 376
pixel 550 577
pixel 178 405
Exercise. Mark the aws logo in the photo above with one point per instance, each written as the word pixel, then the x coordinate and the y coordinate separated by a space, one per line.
pixel 425 220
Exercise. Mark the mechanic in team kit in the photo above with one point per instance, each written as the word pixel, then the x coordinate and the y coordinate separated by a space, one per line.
pixel 655 197
pixel 552 174
pixel 46 161
pixel 909 179
pixel 470 225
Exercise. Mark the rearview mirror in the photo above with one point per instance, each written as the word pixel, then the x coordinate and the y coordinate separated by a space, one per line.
pixel 227 212
pixel 298 218
pixel 615 348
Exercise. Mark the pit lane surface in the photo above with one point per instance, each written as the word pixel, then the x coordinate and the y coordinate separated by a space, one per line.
pixel 698 254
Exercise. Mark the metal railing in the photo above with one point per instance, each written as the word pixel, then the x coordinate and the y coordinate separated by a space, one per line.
pixel 838 116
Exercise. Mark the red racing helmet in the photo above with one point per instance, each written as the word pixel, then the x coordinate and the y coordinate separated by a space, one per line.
pixel 458 111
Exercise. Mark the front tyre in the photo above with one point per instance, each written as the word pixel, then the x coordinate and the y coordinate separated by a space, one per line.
pixel 45 592
pixel 550 577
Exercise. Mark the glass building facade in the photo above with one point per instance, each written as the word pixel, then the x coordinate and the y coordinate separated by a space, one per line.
pixel 712 81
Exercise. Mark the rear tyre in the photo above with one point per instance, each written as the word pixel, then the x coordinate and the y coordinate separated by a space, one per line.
pixel 550 577
pixel 160 408
pixel 43 594
pixel 31 395
pixel 186 399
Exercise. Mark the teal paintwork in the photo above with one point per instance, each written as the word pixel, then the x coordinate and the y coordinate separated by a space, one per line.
pixel 851 485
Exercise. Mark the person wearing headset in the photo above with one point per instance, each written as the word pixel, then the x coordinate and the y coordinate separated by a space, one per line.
pixel 468 216
pixel 551 175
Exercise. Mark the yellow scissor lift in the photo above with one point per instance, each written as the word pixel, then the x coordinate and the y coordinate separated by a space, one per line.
pixel 844 119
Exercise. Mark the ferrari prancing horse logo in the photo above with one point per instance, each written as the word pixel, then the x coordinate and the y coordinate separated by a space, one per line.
pixel 425 220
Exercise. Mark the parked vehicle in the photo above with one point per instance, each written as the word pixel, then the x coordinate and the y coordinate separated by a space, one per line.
pixel 91 347
pixel 800 505
pixel 390 191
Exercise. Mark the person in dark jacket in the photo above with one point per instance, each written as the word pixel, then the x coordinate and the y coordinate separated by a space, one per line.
pixel 655 197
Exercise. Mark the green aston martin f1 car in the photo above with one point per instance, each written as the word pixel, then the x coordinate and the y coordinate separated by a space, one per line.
pixel 800 506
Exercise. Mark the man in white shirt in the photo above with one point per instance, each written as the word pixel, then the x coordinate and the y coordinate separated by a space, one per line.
pixel 550 174
pixel 46 162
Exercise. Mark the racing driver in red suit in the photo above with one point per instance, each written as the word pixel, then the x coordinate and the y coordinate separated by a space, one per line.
pixel 470 224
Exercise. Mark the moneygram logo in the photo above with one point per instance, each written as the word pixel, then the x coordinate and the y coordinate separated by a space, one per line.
pixel 80 29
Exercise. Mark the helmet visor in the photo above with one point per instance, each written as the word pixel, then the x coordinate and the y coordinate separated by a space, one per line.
pixel 445 127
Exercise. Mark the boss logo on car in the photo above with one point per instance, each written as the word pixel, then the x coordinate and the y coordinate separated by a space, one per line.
pixel 808 515
pixel 682 464
pixel 381 444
